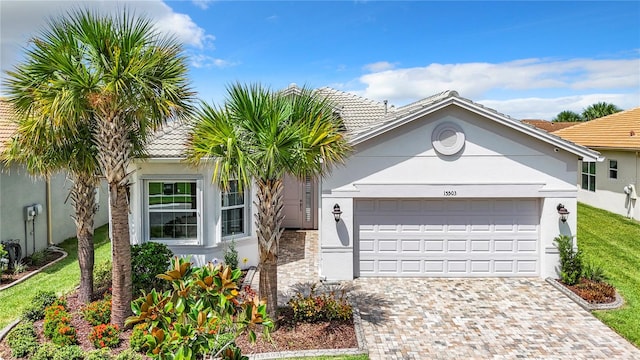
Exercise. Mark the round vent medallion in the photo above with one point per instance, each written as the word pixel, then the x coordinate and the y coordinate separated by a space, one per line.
pixel 447 138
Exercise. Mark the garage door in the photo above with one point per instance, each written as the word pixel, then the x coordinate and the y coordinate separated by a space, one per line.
pixel 452 237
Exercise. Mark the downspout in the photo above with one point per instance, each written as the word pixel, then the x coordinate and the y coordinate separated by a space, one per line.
pixel 48 205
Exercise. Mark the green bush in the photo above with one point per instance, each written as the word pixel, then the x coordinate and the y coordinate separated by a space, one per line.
pixel 320 307
pixel 98 354
pixel 105 336
pixel 128 354
pixel 147 261
pixel 22 340
pixel 57 325
pixel 3 253
pixel 45 351
pixel 71 352
pixel 35 310
pixel 202 304
pixel 98 312
pixel 65 335
pixel 137 340
pixel 231 254
pixel 594 273
pixel 38 258
pixel 570 260
pixel 102 274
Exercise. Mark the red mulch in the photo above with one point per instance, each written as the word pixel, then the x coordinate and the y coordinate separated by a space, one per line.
pixel 593 292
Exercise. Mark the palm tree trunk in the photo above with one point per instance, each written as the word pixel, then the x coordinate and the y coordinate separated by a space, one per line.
pixel 83 198
pixel 120 256
pixel 268 222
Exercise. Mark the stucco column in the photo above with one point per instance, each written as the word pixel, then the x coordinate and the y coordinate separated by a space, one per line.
pixel 336 240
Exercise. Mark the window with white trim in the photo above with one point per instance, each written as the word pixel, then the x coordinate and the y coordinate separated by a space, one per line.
pixel 613 169
pixel 172 209
pixel 589 175
pixel 233 211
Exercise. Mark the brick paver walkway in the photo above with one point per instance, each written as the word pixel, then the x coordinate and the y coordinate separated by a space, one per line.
pixel 498 318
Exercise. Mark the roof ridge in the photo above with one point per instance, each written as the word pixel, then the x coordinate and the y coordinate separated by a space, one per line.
pixel 350 94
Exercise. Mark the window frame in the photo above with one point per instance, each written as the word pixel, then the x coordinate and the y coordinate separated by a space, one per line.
pixel 613 170
pixel 245 214
pixel 588 170
pixel 198 210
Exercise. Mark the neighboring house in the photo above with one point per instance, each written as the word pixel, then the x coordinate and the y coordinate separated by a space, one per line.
pixel 549 126
pixel 35 228
pixel 440 187
pixel 613 184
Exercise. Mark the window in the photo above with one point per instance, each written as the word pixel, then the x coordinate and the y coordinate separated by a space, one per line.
pixel 589 176
pixel 233 211
pixel 172 209
pixel 613 169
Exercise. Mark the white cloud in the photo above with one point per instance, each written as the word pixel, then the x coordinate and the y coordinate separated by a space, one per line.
pixel 202 4
pixel 22 20
pixel 379 66
pixel 474 80
pixel 205 61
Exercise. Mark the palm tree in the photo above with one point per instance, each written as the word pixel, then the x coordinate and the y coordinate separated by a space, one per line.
pixel 119 76
pixel 259 136
pixel 567 116
pixel 45 151
pixel 598 110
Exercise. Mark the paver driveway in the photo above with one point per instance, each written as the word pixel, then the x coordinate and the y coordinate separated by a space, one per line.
pixel 480 319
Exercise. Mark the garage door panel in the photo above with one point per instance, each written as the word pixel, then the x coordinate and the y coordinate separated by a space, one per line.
pixel 461 237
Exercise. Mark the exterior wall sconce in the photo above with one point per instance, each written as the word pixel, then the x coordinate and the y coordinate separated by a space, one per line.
pixel 336 212
pixel 563 212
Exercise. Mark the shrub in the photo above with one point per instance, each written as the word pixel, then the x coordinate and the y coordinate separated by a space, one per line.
pixel 570 260
pixel 38 258
pixel 137 340
pixel 19 267
pixel 35 310
pixel 98 354
pixel 128 354
pixel 322 307
pixel 45 351
pixel 594 273
pixel 105 335
pixel 54 316
pixel 231 254
pixel 65 335
pixel 102 274
pixel 3 253
pixel 98 312
pixel 148 260
pixel 72 352
pixel 595 292
pixel 22 340
pixel 202 304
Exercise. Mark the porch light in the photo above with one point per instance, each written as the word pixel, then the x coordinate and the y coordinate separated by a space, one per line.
pixel 563 212
pixel 336 212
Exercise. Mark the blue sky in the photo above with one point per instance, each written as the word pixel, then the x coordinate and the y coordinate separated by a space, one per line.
pixel 526 59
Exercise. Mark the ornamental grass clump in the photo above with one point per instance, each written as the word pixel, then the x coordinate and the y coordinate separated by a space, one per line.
pixel 201 307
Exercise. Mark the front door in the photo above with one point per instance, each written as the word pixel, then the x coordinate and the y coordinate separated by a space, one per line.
pixel 299 203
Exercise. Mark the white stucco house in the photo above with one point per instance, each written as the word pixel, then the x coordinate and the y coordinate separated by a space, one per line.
pixel 614 184
pixel 35 212
pixel 442 187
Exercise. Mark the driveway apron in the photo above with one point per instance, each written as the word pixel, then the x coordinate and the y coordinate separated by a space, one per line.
pixel 496 318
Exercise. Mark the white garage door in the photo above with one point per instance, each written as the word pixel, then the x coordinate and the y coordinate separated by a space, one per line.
pixel 452 237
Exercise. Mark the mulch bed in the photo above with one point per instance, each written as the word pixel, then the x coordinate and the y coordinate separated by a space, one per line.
pixel 593 292
pixel 289 336
pixel 9 277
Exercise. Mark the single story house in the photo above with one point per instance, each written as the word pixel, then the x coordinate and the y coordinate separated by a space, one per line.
pixel 613 184
pixel 442 187
pixel 34 211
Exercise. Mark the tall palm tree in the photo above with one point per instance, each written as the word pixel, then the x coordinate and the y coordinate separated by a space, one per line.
pixel 259 136
pixel 568 116
pixel 45 151
pixel 123 79
pixel 598 110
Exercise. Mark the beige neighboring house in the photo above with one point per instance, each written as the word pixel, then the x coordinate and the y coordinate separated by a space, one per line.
pixel 33 211
pixel 613 184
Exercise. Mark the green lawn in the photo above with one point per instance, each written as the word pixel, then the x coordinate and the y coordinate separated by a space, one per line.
pixel 613 242
pixel 62 277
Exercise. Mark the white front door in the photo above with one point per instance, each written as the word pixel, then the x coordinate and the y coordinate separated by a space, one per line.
pixel 299 201
pixel 448 238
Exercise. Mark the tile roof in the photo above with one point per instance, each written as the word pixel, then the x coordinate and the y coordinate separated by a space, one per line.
pixel 7 126
pixel 169 141
pixel 616 131
pixel 548 125
pixel 357 112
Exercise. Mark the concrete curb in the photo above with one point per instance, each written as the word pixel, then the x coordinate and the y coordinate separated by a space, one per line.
pixel 55 249
pixel 583 303
pixel 8 328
